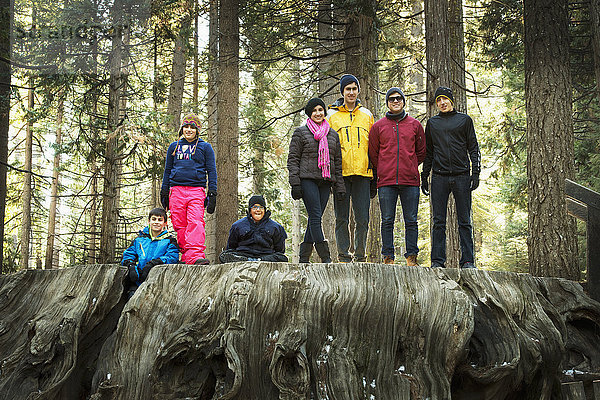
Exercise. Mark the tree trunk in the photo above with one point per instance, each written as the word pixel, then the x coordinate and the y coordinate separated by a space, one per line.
pixel 93 213
pixel 551 239
pixel 437 39
pixel 52 218
pixel 268 331
pixel 595 22
pixel 361 56
pixel 196 67
pixel 331 66
pixel 180 54
pixel 415 76
pixel 112 159
pixel 227 117
pixel 27 166
pixel 6 13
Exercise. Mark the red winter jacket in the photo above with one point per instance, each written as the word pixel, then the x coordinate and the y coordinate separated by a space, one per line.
pixel 396 148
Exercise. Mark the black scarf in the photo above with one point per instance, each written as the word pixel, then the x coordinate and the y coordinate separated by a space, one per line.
pixel 399 116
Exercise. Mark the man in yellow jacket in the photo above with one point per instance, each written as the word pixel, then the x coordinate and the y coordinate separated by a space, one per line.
pixel 352 122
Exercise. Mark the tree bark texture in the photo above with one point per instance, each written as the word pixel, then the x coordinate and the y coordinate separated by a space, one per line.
pixel 6 13
pixel 25 237
pixel 293 331
pixel 52 215
pixel 180 54
pixel 112 158
pixel 551 240
pixel 438 34
pixel 595 22
pixel 227 122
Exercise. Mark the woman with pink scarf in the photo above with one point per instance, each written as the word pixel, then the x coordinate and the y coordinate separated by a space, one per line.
pixel 315 168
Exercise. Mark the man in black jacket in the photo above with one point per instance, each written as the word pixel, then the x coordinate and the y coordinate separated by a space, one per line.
pixel 451 143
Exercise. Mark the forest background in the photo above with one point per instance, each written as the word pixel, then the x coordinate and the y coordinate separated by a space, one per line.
pixel 97 89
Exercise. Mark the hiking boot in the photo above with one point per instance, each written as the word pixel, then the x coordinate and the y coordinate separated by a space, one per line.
pixel 305 252
pixel 436 265
pixel 468 265
pixel 201 261
pixel 323 251
pixel 411 261
pixel 388 260
pixel 229 257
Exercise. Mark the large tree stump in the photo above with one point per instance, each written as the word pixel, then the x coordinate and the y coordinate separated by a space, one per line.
pixel 297 331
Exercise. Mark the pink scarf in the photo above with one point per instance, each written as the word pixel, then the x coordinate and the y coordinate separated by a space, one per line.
pixel 320 131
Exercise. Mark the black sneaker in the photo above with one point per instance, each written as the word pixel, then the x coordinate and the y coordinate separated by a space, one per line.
pixel 468 265
pixel 231 258
pixel 201 261
pixel 436 265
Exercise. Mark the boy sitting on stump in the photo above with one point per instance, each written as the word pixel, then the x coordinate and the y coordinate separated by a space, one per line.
pixel 256 236
pixel 153 246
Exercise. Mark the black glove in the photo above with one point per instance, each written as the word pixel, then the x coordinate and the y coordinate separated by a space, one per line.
pixel 424 184
pixel 373 188
pixel 210 202
pixel 149 265
pixel 340 196
pixel 132 273
pixel 164 199
pixel 296 192
pixel 474 181
pixel 128 263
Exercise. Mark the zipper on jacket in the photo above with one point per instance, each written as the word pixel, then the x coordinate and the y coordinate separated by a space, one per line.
pixel 347 135
pixel 358 134
pixel 143 252
pixel 397 151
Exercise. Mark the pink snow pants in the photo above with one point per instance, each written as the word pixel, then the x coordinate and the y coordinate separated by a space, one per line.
pixel 187 215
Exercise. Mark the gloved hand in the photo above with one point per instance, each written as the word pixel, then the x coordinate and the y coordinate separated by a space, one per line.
pixel 340 196
pixel 373 188
pixel 132 273
pixel 296 192
pixel 128 263
pixel 149 265
pixel 164 198
pixel 425 184
pixel 210 202
pixel 474 181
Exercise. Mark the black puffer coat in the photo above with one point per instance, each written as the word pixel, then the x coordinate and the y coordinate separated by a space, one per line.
pixel 303 155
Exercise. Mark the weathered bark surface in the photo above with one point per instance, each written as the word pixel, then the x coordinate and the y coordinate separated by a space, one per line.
pixel 552 240
pixel 52 325
pixel 293 331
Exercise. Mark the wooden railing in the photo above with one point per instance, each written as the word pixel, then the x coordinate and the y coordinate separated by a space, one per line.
pixel 576 391
pixel 584 204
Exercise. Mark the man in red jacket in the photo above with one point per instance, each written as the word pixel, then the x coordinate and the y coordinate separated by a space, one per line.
pixel 396 148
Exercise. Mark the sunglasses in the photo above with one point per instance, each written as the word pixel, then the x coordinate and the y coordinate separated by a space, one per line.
pixel 257 208
pixel 393 99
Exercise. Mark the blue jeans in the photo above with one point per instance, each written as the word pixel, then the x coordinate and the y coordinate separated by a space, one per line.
pixel 460 187
pixel 357 188
pixel 315 194
pixel 409 198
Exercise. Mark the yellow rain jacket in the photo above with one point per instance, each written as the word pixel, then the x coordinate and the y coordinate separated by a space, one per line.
pixel 353 129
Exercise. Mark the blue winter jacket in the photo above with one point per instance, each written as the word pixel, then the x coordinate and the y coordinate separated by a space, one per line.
pixel 144 249
pixel 257 238
pixel 190 164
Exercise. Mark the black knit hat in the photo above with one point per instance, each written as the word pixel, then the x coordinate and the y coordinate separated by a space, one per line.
pixel 347 79
pixel 444 92
pixel 312 103
pixel 394 90
pixel 257 199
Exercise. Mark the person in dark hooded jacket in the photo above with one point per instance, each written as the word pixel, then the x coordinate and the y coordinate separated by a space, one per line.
pixel 255 237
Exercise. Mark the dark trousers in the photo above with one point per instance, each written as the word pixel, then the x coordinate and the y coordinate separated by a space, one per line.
pixel 460 187
pixel 357 189
pixel 315 195
pixel 409 198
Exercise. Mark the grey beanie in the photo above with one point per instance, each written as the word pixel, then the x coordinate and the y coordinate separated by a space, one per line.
pixel 394 90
